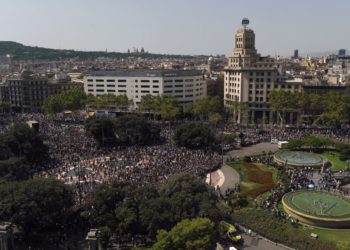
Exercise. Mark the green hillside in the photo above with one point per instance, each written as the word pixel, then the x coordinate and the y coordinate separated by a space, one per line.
pixel 23 52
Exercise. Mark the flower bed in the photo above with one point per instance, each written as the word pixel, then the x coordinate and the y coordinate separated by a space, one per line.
pixel 257 175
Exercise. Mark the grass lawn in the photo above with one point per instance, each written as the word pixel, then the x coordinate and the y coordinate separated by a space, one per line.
pixel 329 235
pixel 243 173
pixel 333 157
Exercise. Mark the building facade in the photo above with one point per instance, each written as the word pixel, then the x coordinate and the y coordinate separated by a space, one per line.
pixel 249 79
pixel 27 92
pixel 186 85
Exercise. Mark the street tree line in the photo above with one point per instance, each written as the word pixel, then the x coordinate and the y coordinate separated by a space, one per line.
pixel 164 107
pixel 331 109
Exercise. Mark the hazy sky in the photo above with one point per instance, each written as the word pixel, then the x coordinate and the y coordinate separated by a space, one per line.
pixel 177 26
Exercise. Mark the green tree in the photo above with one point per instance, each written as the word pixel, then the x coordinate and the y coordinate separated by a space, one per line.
pixel 39 207
pixel 206 107
pixel 102 129
pixel 283 102
pixel 73 99
pixel 25 142
pixel 195 135
pixel 164 106
pixel 195 234
pixel 134 130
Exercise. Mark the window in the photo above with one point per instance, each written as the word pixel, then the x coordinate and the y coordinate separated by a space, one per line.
pixel 144 80
pixel 121 91
pixel 188 95
pixel 155 92
pixel 178 91
pixel 168 91
pixel 90 85
pixel 168 86
pixel 168 80
pixel 155 80
pixel 156 86
pixel 100 90
pixel 90 90
pixel 90 80
pixel 121 80
pixel 110 90
pixel 110 80
pixel 100 80
pixel 121 86
pixel 100 85
pixel 179 80
pixel 178 86
pixel 144 91
pixel 144 86
pixel 110 85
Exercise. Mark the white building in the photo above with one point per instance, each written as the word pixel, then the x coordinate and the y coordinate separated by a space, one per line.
pixel 249 79
pixel 186 85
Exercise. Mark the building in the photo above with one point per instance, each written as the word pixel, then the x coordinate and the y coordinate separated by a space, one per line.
pixel 249 79
pixel 296 54
pixel 186 85
pixel 342 53
pixel 26 92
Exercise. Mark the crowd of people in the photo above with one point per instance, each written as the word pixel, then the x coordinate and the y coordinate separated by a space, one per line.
pixel 76 159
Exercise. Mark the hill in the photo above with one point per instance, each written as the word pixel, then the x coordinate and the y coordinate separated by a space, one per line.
pixel 22 52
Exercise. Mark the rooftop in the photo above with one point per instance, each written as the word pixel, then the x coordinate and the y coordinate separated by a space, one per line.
pixel 147 73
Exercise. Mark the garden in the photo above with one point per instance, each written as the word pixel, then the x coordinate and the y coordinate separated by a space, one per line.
pixel 256 178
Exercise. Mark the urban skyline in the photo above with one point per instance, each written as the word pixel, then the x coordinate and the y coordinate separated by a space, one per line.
pixel 205 27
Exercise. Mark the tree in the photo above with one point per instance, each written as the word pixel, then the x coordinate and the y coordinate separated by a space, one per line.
pixel 25 142
pixel 15 169
pixel 283 102
pixel 39 207
pixel 134 130
pixel 206 107
pixel 195 234
pixel 102 129
pixel 195 135
pixel 147 104
pixel 238 110
pixel 167 107
pixel 73 99
pixel 164 106
pixel 336 110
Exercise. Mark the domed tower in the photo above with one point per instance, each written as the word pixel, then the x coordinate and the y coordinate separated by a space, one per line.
pixel 249 78
pixel 244 51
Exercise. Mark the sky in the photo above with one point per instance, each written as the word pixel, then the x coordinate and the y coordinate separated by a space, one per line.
pixel 177 26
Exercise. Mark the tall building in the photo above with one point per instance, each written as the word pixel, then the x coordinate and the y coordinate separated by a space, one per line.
pixel 296 54
pixel 186 85
pixel 342 53
pixel 249 78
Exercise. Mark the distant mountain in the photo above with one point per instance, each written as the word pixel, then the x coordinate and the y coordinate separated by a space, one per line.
pixel 22 52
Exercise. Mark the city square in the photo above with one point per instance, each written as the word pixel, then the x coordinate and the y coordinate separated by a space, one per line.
pixel 162 125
